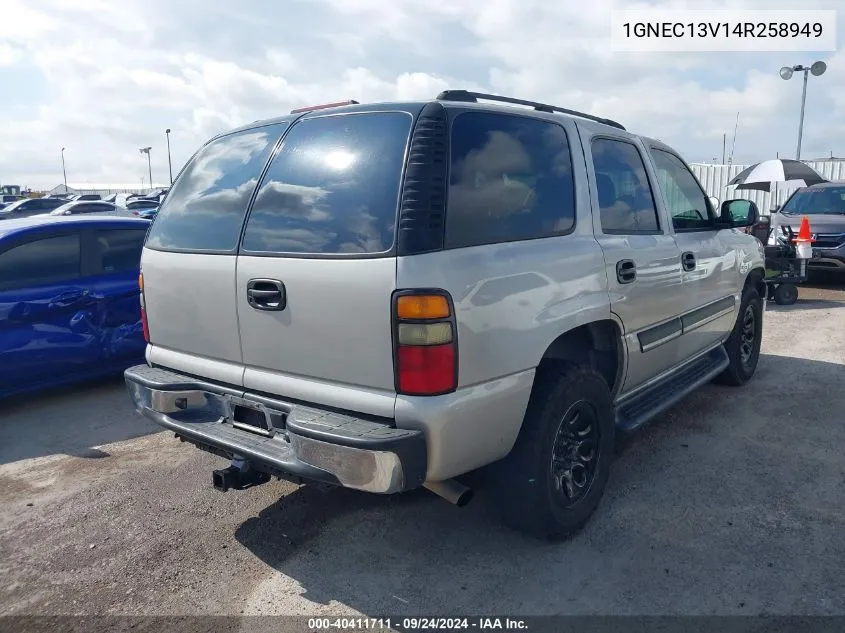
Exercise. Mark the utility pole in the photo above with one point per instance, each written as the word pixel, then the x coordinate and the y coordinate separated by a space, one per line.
pixel 724 146
pixel 169 164
pixel 786 73
pixel 64 171
pixel 146 150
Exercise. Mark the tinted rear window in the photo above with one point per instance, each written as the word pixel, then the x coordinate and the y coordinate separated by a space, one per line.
pixel 333 187
pixel 205 208
pixel 510 179
pixel 120 249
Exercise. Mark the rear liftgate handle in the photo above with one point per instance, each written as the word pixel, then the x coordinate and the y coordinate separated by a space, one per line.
pixel 626 271
pixel 266 294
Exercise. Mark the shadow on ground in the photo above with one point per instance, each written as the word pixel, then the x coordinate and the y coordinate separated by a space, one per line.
pixel 73 420
pixel 731 502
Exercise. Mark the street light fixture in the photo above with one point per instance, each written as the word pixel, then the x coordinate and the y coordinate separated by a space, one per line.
pixel 169 164
pixel 146 150
pixel 817 69
pixel 64 171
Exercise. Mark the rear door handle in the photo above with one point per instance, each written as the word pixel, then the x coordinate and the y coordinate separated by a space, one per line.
pixel 266 294
pixel 688 261
pixel 626 271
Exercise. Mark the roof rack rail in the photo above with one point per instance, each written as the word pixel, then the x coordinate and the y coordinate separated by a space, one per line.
pixel 473 97
pixel 323 106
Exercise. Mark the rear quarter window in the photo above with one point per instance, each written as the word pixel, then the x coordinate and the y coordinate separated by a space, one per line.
pixel 510 179
pixel 205 209
pixel 333 187
pixel 119 250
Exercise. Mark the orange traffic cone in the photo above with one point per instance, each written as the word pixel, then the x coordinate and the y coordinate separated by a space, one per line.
pixel 804 240
pixel 804 231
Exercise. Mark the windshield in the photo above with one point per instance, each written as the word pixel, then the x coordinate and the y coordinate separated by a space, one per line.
pixel 826 200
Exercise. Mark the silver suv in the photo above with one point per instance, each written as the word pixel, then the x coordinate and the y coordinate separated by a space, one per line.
pixel 388 296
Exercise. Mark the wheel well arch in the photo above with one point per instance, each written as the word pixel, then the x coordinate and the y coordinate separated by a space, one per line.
pixel 757 279
pixel 598 344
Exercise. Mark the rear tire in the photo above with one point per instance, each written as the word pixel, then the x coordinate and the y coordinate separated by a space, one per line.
pixel 553 479
pixel 743 345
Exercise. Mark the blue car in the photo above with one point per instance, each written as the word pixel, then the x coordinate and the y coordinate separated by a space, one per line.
pixel 69 299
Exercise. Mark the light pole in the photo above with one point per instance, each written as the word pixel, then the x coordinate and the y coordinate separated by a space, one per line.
pixel 169 164
pixel 64 171
pixel 146 150
pixel 786 72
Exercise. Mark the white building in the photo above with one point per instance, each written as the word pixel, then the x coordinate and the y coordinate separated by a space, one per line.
pixel 105 189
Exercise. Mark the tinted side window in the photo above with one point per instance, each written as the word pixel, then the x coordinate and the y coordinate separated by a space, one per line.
pixel 510 179
pixel 48 204
pixel 685 200
pixel 120 249
pixel 40 262
pixel 624 194
pixel 333 187
pixel 206 206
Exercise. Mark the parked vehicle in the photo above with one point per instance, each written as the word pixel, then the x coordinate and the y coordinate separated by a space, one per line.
pixel 81 207
pixel 29 206
pixel 824 205
pixel 388 296
pixel 8 198
pixel 86 196
pixel 68 300
pixel 147 214
pixel 138 204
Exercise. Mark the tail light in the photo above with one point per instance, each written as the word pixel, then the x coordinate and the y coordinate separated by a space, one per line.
pixel 144 325
pixel 425 343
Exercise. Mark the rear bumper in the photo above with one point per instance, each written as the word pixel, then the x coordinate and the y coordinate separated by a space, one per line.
pixel 299 442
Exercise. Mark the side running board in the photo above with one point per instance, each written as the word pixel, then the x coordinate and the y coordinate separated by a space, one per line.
pixel 644 405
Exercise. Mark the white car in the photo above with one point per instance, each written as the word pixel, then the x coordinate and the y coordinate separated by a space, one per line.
pixel 98 207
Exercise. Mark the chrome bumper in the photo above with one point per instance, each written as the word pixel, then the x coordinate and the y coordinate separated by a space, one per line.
pixel 295 440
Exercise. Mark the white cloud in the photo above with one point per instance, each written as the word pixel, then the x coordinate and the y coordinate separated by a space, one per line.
pixel 105 78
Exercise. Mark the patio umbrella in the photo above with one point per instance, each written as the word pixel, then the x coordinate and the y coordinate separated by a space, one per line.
pixel 762 175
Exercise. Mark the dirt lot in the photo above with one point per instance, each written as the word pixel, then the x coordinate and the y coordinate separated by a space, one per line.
pixel 731 503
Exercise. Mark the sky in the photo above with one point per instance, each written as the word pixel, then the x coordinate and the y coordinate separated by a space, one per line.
pixel 103 78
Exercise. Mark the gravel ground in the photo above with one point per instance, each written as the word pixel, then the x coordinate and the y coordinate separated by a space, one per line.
pixel 730 503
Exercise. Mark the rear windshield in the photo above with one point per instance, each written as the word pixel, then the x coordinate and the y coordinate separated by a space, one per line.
pixel 333 187
pixel 825 200
pixel 204 210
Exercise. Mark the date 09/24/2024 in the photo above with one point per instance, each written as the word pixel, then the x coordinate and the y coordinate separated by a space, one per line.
pixel 417 624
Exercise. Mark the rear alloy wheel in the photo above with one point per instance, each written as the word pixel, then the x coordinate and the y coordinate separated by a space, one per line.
pixel 553 479
pixel 575 453
pixel 743 345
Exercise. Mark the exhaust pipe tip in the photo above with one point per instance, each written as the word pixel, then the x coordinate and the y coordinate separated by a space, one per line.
pixel 452 490
pixel 464 498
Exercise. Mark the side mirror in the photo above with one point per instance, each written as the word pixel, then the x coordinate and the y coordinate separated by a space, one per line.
pixel 739 213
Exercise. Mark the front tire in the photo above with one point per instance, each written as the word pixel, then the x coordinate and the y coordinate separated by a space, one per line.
pixel 553 479
pixel 743 345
